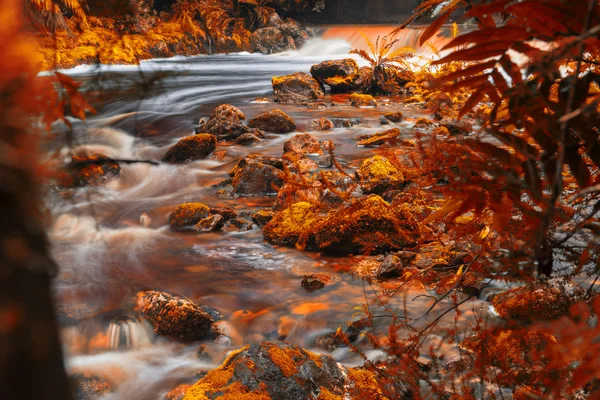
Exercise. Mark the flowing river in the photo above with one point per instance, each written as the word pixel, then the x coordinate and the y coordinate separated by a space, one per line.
pixel 113 241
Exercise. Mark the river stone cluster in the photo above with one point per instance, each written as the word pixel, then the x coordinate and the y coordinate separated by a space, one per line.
pixel 282 371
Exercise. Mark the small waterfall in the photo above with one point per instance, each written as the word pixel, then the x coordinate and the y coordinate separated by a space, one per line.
pixel 355 36
pixel 127 333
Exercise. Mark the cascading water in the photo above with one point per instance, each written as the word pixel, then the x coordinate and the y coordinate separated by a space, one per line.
pixel 126 333
pixel 113 241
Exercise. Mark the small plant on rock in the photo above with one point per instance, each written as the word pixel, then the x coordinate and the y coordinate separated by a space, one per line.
pixel 388 65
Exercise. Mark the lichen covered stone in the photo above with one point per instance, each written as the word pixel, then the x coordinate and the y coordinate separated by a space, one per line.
pixel 187 215
pixel 370 225
pixel 362 100
pixel 282 371
pixel 377 174
pixel 287 226
pixel 173 316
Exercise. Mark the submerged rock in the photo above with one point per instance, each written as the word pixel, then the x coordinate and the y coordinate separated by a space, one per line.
pixel 370 225
pixel 377 174
pixel 174 317
pixel 88 387
pixel 275 121
pixel 282 371
pixel 91 170
pixel 315 281
pixel 296 88
pixel 337 74
pixel 187 215
pixel 191 148
pixel 362 100
pixel 288 225
pixel 237 225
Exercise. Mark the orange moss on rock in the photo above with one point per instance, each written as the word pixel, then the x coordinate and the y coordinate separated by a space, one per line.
pixel 288 225
pixel 362 100
pixel 538 301
pixel 187 215
pixel 370 225
pixel 378 173
pixel 364 385
pixel 283 371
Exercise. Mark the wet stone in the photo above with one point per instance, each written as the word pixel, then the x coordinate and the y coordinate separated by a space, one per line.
pixel 187 215
pixel 225 211
pixel 315 281
pixel 391 267
pixel 394 116
pixel 321 124
pixel 275 121
pixel 362 101
pixel 296 88
pixel 91 170
pixel 191 148
pixel 211 223
pixel 237 225
pixel 174 317
pixel 88 387
pixel 262 217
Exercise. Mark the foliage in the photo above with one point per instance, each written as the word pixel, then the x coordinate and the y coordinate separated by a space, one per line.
pixel 388 64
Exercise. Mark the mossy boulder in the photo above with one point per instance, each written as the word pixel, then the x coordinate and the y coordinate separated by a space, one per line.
pixel 191 148
pixel 174 317
pixel 362 100
pixel 339 75
pixel 275 121
pixel 539 301
pixel 91 170
pixel 187 215
pixel 296 88
pixel 282 371
pixel 377 174
pixel 370 225
pixel 287 226
pixel 395 116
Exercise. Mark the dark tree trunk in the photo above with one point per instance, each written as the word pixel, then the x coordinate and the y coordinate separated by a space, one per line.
pixel 31 361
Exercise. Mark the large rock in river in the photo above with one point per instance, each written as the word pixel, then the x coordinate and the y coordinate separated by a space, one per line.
pixel 191 148
pixel 91 170
pixel 287 226
pixel 296 88
pixel 337 74
pixel 255 178
pixel 226 122
pixel 269 40
pixel 282 371
pixel 368 226
pixel 187 215
pixel 275 121
pixel 174 317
